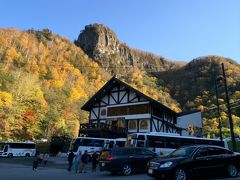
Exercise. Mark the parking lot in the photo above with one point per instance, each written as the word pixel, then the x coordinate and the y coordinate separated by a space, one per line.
pixel 56 169
pixel 21 169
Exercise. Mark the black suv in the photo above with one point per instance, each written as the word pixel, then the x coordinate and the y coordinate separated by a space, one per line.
pixel 125 160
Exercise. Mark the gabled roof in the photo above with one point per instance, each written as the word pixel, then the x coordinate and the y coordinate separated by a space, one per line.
pixel 110 85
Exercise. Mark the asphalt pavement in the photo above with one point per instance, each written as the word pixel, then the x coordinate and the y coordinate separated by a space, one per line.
pixel 56 169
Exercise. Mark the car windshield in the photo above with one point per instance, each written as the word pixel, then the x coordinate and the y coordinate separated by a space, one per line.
pixel 183 152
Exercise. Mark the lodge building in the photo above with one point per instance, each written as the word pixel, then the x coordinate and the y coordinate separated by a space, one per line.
pixel 118 109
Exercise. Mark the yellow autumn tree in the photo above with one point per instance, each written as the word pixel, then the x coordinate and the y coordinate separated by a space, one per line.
pixel 5 99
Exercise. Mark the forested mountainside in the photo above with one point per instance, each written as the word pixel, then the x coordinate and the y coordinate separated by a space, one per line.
pixel 191 84
pixel 198 77
pixel 44 81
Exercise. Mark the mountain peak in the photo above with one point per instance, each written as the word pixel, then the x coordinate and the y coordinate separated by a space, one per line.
pixel 97 39
pixel 103 46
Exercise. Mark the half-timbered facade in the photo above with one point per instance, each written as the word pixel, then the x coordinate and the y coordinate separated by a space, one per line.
pixel 118 106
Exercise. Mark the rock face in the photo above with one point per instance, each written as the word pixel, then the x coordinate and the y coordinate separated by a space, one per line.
pixel 97 39
pixel 103 46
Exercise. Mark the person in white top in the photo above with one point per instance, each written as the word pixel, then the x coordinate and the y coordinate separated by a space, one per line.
pixel 45 158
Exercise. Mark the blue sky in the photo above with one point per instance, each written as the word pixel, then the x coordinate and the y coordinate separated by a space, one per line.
pixel 180 30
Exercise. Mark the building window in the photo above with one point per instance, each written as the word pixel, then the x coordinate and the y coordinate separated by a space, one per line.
pixel 144 124
pixel 128 110
pixel 132 124
pixel 119 122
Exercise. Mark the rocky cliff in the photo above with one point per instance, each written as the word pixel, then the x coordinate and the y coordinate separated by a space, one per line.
pixel 103 46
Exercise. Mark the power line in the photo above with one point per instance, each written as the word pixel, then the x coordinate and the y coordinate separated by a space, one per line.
pixel 85 66
pixel 233 106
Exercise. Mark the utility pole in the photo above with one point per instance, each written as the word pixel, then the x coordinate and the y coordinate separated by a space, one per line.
pixel 229 110
pixel 219 116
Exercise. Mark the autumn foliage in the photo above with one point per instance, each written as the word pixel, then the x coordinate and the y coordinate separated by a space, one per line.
pixel 45 79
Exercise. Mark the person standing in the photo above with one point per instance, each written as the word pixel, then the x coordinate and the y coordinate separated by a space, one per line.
pixel 45 158
pixel 94 161
pixel 35 162
pixel 40 158
pixel 70 160
pixel 75 163
pixel 84 162
pixel 79 160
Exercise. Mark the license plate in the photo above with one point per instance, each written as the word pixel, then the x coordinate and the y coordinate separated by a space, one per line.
pixel 103 164
pixel 150 171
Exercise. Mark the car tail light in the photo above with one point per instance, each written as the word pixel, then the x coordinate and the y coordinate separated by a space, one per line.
pixel 109 158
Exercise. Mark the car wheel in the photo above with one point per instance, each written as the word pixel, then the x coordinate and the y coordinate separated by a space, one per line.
pixel 10 155
pixel 180 174
pixel 127 169
pixel 232 170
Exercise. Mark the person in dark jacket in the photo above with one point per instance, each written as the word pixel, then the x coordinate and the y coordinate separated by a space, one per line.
pixel 35 162
pixel 94 161
pixel 84 160
pixel 70 160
